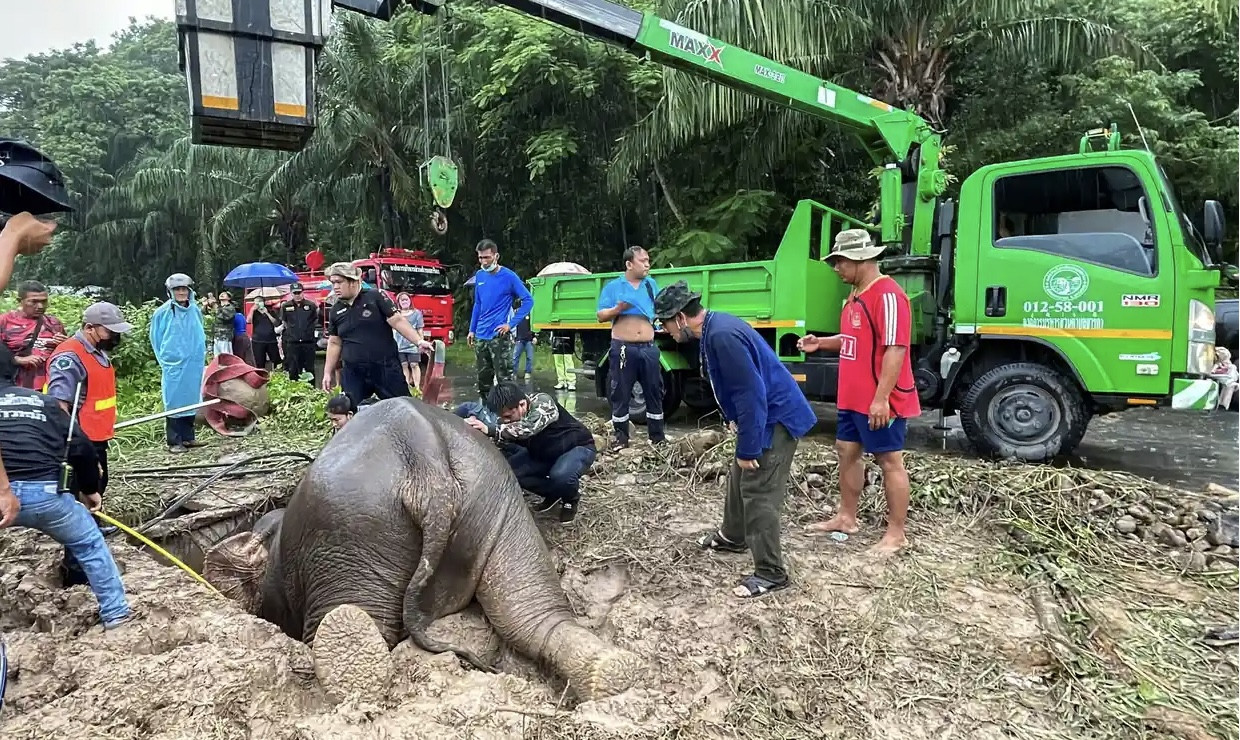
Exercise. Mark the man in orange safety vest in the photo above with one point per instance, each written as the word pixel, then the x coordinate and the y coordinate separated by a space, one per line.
pixel 81 369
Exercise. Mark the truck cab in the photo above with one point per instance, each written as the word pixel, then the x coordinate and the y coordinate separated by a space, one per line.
pixel 413 280
pixel 1080 288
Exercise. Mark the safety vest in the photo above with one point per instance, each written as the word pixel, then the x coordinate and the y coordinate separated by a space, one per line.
pixel 97 414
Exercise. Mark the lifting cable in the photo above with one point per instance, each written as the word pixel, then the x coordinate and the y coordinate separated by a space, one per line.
pixel 442 173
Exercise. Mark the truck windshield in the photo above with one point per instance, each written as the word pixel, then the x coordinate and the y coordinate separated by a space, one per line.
pixel 414 279
pixel 1195 243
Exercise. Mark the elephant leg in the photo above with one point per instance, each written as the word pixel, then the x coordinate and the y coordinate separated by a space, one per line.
pixel 434 542
pixel 351 658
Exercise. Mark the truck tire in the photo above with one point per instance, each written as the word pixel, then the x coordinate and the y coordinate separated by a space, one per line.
pixel 1025 411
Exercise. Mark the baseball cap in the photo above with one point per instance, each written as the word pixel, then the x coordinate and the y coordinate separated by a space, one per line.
pixel 30 181
pixel 855 245
pixel 296 288
pixel 106 315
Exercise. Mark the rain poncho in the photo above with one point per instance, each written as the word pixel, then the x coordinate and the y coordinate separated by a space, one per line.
pixel 180 346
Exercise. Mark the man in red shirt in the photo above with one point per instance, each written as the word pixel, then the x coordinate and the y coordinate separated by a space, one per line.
pixel 876 393
pixel 31 334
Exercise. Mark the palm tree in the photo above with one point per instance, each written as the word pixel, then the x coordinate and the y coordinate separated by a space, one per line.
pixel 902 51
pixel 364 158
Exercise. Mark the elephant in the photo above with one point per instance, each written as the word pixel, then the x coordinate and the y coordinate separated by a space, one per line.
pixel 409 515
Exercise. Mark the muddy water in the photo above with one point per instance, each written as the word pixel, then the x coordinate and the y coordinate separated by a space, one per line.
pixel 1187 449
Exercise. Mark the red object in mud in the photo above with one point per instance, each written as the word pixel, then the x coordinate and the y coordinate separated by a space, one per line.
pixel 250 388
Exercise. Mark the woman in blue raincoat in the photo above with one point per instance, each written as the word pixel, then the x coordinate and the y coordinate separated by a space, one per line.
pixel 180 345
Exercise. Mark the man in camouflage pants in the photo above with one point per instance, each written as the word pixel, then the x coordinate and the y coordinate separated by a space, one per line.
pixel 496 290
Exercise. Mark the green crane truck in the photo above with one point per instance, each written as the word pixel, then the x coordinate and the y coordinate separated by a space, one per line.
pixel 1052 290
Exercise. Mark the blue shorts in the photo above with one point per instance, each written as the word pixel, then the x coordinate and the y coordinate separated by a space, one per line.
pixel 855 427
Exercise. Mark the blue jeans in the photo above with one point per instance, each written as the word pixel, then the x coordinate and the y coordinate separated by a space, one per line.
pixel 560 480
pixel 61 517
pixel 523 348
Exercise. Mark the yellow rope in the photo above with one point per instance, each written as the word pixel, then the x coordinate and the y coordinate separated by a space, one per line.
pixel 157 549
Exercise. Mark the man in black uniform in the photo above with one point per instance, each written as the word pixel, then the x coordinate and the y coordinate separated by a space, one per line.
pixel 36 434
pixel 553 449
pixel 360 334
pixel 299 317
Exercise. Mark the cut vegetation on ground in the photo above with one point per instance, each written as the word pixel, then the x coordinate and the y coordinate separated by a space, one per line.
pixel 1032 603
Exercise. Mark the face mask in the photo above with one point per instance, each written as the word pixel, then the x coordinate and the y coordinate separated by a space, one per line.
pixel 492 267
pixel 110 343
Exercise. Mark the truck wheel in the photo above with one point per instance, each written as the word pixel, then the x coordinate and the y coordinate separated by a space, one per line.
pixel 1024 410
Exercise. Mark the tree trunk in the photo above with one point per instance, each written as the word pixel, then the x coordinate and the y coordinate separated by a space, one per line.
pixel 389 206
pixel 667 195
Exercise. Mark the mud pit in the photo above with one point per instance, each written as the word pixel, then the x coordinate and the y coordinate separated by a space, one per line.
pixel 941 642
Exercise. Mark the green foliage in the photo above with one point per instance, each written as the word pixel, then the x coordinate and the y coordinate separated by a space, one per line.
pixel 727 227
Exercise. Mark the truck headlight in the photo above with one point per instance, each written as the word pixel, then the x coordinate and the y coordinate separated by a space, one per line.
pixel 451 336
pixel 1200 338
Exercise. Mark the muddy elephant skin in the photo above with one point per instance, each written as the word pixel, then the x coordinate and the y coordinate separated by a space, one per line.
pixel 410 515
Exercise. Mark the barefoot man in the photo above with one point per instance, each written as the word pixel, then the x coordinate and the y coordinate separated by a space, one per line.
pixel 876 393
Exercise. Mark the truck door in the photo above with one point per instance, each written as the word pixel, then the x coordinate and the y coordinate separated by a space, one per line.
pixel 1076 258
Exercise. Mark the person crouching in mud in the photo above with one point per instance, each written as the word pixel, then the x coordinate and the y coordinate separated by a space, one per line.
pixel 554 449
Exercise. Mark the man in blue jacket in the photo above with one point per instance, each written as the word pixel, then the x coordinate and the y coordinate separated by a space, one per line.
pixel 496 289
pixel 760 400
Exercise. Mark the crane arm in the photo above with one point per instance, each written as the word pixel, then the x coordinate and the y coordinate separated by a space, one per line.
pixel 901 141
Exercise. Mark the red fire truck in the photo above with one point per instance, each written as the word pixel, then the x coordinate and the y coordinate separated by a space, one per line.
pixel 412 279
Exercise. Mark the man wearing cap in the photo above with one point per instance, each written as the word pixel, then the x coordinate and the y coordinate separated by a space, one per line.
pixel 876 395
pixel 759 398
pixel 360 335
pixel 299 317
pixel 81 370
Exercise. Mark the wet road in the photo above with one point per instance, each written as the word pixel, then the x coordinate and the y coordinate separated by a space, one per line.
pixel 1186 449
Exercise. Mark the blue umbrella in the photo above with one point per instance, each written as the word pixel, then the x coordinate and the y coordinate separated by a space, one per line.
pixel 259 275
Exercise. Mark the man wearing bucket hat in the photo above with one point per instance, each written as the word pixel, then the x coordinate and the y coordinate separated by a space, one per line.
pixel 876 395
pixel 760 399
pixel 360 336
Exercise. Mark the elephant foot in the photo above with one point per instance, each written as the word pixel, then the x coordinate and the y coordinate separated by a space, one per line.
pixel 351 658
pixel 594 669
pixel 235 566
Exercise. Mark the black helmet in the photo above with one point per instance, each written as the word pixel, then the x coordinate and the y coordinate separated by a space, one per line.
pixel 29 181
pixel 673 299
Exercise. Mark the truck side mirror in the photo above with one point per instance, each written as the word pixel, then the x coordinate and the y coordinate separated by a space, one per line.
pixel 1213 229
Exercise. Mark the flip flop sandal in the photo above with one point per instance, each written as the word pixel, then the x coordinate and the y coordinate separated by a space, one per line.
pixel 753 586
pixel 716 541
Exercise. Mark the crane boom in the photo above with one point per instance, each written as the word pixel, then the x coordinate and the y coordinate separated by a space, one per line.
pixel 901 141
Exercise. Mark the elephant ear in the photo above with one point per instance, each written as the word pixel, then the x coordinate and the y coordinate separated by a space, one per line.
pixel 236 567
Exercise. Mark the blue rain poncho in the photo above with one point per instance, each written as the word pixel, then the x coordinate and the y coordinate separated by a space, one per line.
pixel 180 346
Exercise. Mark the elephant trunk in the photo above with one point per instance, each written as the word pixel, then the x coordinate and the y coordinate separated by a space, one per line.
pixel 520 592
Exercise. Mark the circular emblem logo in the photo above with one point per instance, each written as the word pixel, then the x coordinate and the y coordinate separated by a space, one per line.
pixel 404 301
pixel 1065 282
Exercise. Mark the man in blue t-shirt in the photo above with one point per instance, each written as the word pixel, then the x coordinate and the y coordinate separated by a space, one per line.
pixel 628 303
pixel 496 289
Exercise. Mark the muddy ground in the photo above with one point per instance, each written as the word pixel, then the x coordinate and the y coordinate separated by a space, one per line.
pixel 962 636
